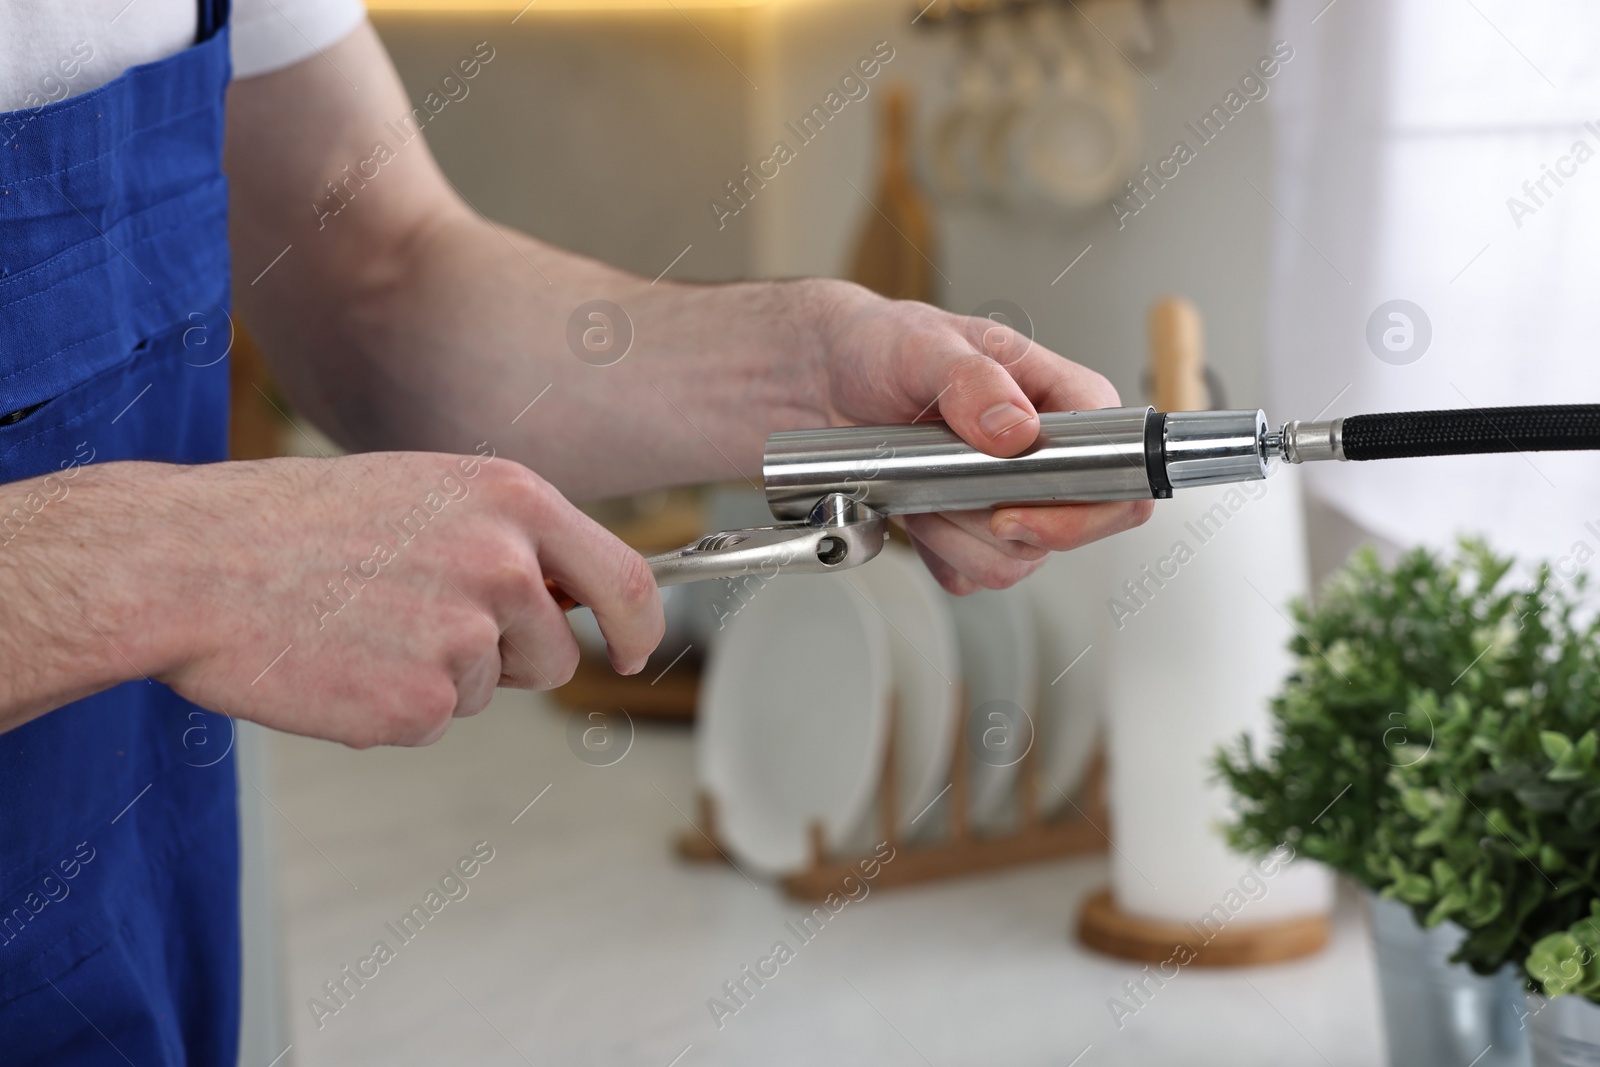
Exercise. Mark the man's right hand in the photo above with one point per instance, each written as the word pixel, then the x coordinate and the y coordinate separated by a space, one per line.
pixel 366 599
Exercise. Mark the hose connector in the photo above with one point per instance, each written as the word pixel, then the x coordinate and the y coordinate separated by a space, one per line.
pixel 1305 442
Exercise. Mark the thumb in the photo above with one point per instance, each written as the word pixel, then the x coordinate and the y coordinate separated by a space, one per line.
pixel 983 403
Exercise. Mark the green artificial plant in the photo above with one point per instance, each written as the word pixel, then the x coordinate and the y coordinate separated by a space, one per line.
pixel 1437 742
pixel 1568 961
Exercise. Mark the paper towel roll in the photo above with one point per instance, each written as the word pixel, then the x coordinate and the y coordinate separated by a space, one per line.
pixel 1194 631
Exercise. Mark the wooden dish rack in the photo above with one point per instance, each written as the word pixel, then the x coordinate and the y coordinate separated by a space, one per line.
pixel 962 851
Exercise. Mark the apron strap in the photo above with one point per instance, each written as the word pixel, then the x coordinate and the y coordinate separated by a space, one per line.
pixel 213 16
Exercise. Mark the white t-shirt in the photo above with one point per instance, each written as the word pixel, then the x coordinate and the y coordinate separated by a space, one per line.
pixel 53 49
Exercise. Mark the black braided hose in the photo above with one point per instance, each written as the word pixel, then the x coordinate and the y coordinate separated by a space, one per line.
pixel 1403 434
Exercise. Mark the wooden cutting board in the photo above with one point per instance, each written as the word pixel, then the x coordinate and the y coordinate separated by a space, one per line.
pixel 896 250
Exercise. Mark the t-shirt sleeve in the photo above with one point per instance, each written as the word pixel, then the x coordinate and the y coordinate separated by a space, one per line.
pixel 269 35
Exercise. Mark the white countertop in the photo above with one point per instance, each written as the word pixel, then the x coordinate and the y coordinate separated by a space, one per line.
pixel 583 941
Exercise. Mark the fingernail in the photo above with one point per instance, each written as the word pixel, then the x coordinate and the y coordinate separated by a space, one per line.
pixel 1002 417
pixel 1012 530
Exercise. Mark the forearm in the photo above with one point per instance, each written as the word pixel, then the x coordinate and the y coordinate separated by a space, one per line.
pixel 78 610
pixel 466 343
pixel 400 318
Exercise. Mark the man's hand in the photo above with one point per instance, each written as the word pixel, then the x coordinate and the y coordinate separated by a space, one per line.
pixel 898 361
pixel 365 599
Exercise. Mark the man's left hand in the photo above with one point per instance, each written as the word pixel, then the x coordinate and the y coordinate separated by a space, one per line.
pixel 888 361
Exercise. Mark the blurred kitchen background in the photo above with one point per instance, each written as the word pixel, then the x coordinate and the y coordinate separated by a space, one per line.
pixel 612 127
pixel 606 128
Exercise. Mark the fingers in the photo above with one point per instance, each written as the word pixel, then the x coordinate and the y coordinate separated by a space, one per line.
pixel 980 400
pixel 556 543
pixel 1068 526
pixel 976 524
pixel 537 648
pixel 611 579
pixel 991 389
pixel 979 560
pixel 971 550
pixel 1055 383
pixel 946 575
pixel 989 382
pixel 475 686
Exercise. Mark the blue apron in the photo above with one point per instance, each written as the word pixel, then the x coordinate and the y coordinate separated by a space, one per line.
pixel 119 860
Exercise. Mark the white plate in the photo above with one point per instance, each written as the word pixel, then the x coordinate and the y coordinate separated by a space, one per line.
pixel 793 719
pixel 999 665
pixel 1067 594
pixel 927 675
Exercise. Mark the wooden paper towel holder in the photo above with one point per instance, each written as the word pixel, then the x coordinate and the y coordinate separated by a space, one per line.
pixel 1178 376
pixel 1105 928
pixel 962 851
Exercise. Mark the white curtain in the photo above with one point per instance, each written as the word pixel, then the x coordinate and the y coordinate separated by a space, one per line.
pixel 1404 128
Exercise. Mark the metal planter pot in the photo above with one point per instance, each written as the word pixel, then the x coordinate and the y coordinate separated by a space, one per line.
pixel 1566 1031
pixel 1440 1014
